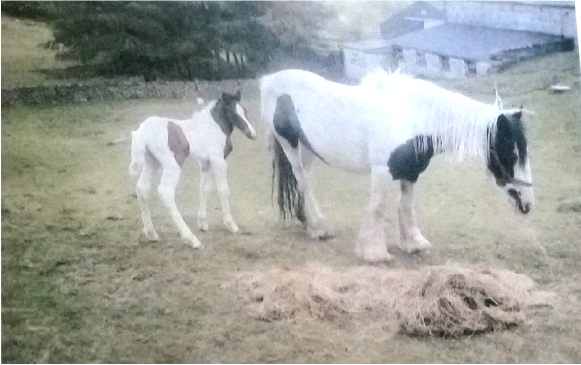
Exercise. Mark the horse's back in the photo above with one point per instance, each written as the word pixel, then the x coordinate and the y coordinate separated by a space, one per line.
pixel 330 115
pixel 290 81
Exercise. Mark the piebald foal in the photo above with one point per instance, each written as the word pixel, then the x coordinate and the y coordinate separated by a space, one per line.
pixel 168 142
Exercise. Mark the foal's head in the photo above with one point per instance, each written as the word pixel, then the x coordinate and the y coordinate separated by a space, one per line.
pixel 228 113
pixel 509 163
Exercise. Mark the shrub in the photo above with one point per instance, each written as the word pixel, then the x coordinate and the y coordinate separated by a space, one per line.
pixel 32 9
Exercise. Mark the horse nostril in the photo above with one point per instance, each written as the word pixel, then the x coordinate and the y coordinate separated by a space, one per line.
pixel 526 208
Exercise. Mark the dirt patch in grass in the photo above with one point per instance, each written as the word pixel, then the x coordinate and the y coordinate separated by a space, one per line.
pixel 570 206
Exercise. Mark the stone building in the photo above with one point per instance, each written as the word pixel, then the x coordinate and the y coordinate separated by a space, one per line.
pixel 472 38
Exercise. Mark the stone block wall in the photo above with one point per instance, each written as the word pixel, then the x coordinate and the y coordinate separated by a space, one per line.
pixel 118 90
pixel 511 15
pixel 457 67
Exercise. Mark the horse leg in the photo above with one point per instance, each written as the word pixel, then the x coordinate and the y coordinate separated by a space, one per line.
pixel 219 167
pixel 301 162
pixel 411 240
pixel 143 191
pixel 371 241
pixel 205 192
pixel 167 187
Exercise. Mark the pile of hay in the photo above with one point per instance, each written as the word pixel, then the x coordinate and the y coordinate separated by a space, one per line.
pixel 442 300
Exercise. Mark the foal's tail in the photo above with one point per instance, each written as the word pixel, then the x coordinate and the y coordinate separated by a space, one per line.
pixel 290 201
pixel 137 153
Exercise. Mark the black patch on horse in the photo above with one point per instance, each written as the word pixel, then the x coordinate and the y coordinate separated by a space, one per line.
pixel 224 114
pixel 287 125
pixel 406 162
pixel 502 156
pixel 220 115
pixel 228 147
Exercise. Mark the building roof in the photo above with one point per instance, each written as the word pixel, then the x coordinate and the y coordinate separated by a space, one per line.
pixel 470 42
pixel 370 45
pixel 419 10
pixel 563 3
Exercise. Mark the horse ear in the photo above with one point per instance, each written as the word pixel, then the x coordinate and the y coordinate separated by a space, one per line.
pixel 518 114
pixel 225 97
pixel 238 95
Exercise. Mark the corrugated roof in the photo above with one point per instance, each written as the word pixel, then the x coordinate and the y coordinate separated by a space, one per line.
pixel 470 42
pixel 419 9
pixel 369 44
pixel 567 3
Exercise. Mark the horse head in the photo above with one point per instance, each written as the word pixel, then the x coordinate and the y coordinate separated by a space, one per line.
pixel 508 160
pixel 230 114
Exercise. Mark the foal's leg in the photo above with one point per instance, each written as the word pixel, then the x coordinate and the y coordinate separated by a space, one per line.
pixel 143 191
pixel 317 226
pixel 167 187
pixel 218 167
pixel 205 192
pixel 411 240
pixel 371 242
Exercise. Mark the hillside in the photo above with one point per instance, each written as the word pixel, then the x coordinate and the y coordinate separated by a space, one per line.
pixel 22 59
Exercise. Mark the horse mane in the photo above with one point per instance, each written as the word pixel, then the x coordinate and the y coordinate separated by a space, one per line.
pixel 205 108
pixel 457 124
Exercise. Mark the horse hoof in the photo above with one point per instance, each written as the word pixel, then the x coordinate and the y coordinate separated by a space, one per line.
pixel 197 245
pixel 375 257
pixel 203 223
pixel 321 233
pixel 193 241
pixel 232 227
pixel 416 246
pixel 151 235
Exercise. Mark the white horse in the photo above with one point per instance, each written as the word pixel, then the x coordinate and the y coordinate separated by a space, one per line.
pixel 168 142
pixel 389 126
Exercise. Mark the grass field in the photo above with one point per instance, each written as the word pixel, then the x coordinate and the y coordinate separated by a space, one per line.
pixel 81 284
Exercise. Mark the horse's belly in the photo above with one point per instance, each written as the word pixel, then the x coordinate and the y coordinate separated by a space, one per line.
pixel 342 149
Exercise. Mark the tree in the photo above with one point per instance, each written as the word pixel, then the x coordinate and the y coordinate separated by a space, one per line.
pixel 300 28
pixel 35 10
pixel 176 40
pixel 190 39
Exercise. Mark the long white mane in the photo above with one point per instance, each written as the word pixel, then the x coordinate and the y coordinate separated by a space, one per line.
pixel 457 124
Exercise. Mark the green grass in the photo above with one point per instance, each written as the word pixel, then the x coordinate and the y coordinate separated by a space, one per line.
pixel 78 287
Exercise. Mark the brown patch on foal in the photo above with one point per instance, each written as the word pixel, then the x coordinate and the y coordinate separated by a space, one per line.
pixel 177 142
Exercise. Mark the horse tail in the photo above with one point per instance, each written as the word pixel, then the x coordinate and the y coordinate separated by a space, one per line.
pixel 137 153
pixel 290 201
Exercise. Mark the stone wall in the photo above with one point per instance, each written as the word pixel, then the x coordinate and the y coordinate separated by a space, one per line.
pixel 118 90
pixel 515 15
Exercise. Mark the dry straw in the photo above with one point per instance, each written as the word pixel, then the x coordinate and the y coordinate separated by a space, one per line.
pixel 442 300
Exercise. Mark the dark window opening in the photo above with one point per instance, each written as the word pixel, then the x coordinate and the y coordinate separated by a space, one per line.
pixel 421 58
pixel 471 68
pixel 445 61
pixel 398 53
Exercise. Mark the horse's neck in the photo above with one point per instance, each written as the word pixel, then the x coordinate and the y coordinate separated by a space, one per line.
pixel 202 127
pixel 458 126
pixel 198 119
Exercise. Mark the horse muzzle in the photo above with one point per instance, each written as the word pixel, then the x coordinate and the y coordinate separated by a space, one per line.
pixel 523 207
pixel 250 133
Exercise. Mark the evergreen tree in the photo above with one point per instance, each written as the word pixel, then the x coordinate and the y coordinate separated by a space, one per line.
pixel 189 39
